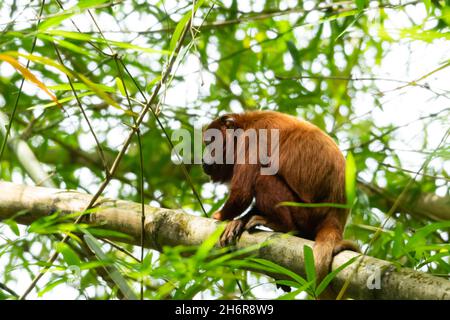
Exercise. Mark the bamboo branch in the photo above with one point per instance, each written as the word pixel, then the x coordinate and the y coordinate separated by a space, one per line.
pixel 164 227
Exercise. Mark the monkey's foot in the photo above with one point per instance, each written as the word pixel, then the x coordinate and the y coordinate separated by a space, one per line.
pixel 256 221
pixel 232 232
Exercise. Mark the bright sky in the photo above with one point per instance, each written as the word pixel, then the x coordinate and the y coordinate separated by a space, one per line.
pixel 405 60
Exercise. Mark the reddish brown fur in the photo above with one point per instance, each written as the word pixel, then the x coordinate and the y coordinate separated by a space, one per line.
pixel 311 170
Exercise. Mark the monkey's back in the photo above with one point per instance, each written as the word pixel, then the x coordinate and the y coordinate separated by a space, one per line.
pixel 309 160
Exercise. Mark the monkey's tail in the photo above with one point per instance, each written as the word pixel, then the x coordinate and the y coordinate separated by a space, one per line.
pixel 328 244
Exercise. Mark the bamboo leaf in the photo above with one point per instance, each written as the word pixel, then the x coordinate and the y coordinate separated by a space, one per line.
pixel 112 270
pixel 28 75
pixel 120 44
pixel 79 86
pixel 66 44
pixel 120 86
pixel 360 4
pixel 420 236
pixel 182 24
pixel 209 243
pixel 309 265
pixel 54 21
pixel 50 286
pixel 62 101
pixel 279 269
pixel 12 225
pixel 326 281
pixel 70 257
pixel 91 85
pixel 314 205
pixel 350 179
pixel 68 13
pixel 86 4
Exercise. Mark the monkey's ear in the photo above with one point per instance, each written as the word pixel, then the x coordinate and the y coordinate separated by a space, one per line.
pixel 228 121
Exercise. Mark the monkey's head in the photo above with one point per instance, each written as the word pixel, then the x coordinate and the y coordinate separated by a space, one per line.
pixel 215 154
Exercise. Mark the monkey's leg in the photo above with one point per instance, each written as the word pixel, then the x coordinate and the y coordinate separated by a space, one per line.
pixel 269 192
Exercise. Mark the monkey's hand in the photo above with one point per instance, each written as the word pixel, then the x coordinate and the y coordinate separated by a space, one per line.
pixel 232 232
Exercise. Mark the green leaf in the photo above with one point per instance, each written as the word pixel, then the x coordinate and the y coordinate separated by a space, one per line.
pixel 428 6
pixel 360 4
pixel 209 243
pixel 326 281
pixel 152 83
pixel 48 287
pixel 13 226
pixel 273 267
pixel 398 243
pixel 147 262
pixel 295 55
pixel 420 236
pixel 105 233
pixel 182 24
pixel 120 86
pixel 350 179
pixel 314 205
pixel 93 264
pixel 66 14
pixel 227 258
pixel 439 258
pixel 112 270
pixel 79 86
pixel 86 4
pixel 178 29
pixel 71 35
pixel 66 44
pixel 54 21
pixel 70 257
pixel 288 283
pixel 69 98
pixel 120 44
pixel 309 265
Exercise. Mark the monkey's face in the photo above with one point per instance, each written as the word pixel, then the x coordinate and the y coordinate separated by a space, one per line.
pixel 216 163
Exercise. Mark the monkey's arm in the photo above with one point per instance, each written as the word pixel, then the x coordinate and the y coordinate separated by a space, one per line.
pixel 241 192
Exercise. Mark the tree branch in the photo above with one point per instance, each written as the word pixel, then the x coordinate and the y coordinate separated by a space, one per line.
pixel 165 227
pixel 422 205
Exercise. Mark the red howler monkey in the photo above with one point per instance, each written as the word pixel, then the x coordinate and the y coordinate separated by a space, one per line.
pixel 311 169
